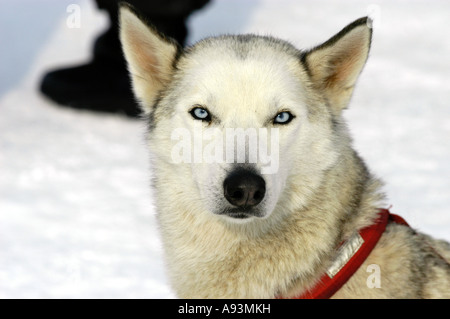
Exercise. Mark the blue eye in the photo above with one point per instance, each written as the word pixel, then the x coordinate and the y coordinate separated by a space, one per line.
pixel 283 118
pixel 200 113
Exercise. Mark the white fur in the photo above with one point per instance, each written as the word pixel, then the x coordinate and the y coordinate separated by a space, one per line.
pixel 321 193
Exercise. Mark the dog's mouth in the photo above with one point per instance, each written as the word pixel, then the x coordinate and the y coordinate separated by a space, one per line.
pixel 241 213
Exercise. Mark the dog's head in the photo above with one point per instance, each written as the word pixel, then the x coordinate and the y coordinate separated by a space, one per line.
pixel 247 124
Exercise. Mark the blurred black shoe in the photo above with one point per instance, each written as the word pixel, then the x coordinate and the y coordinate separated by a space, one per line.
pixel 103 84
pixel 100 85
pixel 95 86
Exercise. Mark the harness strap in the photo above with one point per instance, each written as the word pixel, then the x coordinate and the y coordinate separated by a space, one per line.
pixel 351 254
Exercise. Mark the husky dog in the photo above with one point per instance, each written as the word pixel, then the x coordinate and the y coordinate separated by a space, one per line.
pixel 229 230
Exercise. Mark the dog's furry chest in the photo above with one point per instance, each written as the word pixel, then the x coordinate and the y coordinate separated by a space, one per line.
pixel 213 262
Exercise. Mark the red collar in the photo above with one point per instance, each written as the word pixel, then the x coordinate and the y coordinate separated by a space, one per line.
pixel 351 254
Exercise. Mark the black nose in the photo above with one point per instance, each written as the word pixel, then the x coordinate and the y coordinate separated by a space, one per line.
pixel 244 188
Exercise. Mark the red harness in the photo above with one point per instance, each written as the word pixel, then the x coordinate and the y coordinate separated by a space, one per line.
pixel 368 238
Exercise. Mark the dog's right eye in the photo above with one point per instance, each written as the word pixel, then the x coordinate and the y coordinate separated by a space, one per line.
pixel 283 118
pixel 200 113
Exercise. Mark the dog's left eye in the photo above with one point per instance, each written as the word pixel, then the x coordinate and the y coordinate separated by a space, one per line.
pixel 283 118
pixel 199 113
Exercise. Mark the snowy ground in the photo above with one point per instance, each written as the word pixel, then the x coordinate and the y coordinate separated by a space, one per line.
pixel 76 216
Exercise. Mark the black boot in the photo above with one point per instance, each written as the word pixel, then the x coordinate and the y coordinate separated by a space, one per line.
pixel 103 84
pixel 100 85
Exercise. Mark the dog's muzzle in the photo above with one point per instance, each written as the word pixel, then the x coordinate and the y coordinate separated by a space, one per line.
pixel 244 190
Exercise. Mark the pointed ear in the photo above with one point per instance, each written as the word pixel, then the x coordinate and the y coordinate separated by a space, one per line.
pixel 335 65
pixel 150 56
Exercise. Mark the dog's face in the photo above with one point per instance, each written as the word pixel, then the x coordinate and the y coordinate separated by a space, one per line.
pixel 249 120
pixel 253 106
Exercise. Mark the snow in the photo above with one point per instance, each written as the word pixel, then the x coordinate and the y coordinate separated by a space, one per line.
pixel 76 211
